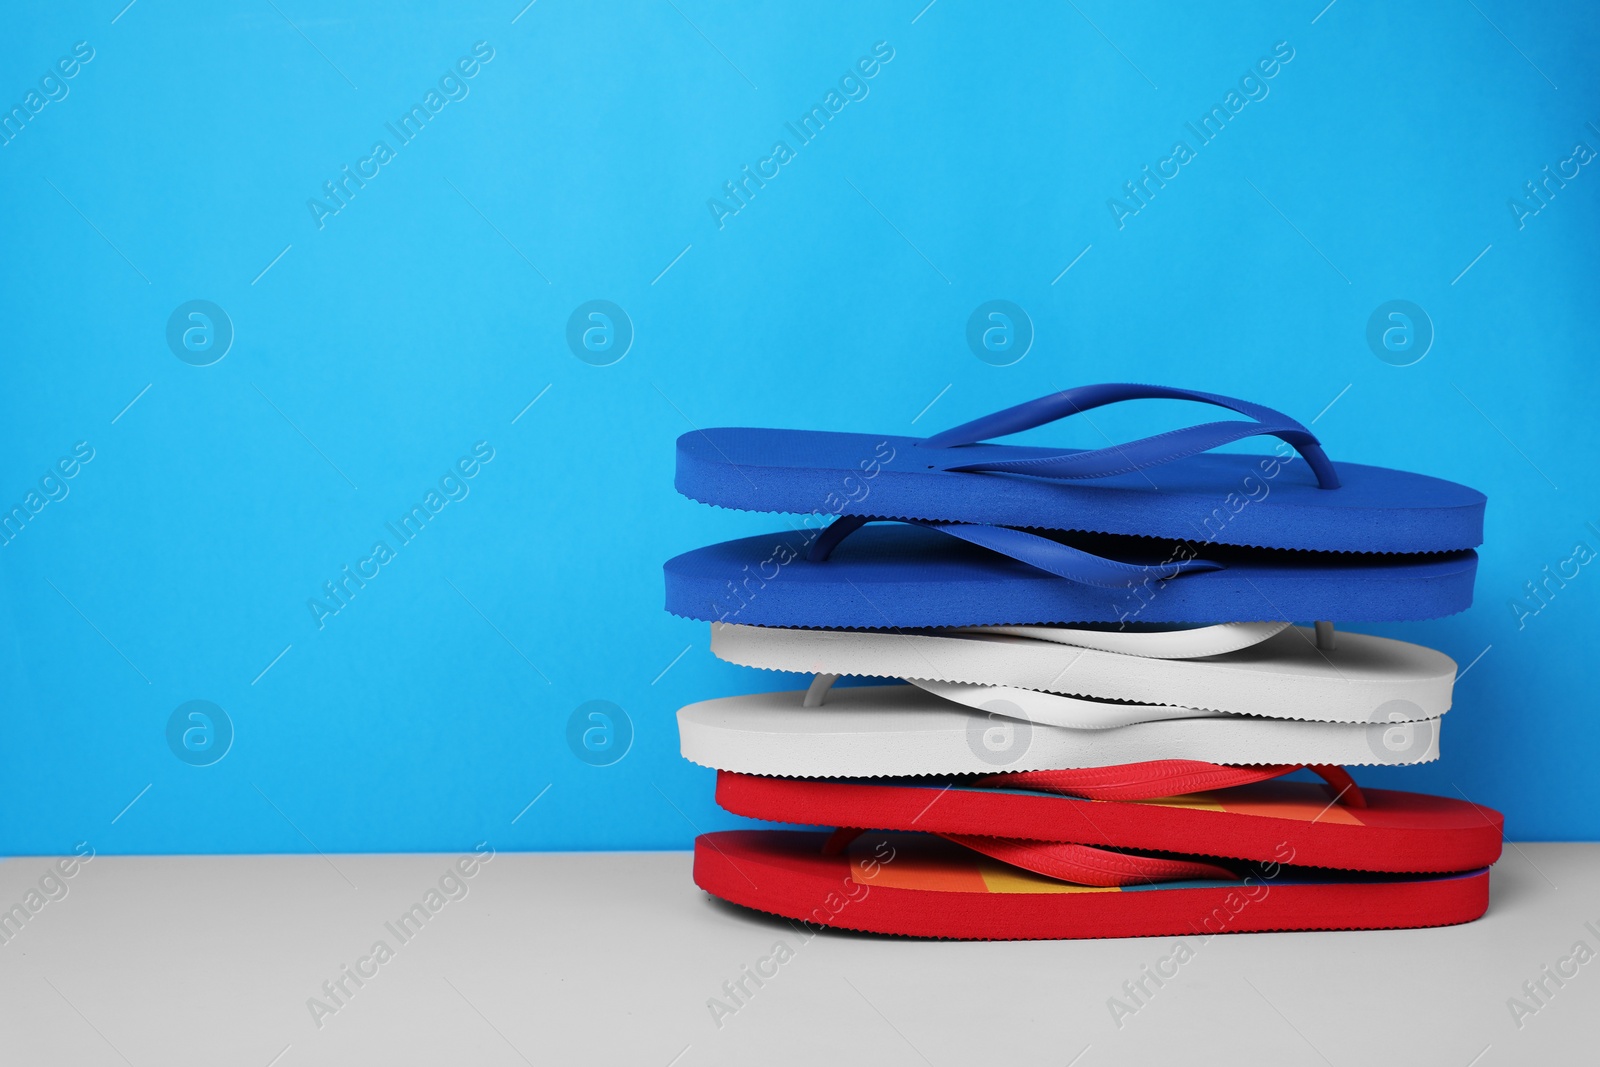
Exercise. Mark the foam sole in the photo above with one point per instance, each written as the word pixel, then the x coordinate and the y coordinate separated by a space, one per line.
pixel 900 730
pixel 1233 496
pixel 884 577
pixel 1363 679
pixel 925 887
pixel 1265 822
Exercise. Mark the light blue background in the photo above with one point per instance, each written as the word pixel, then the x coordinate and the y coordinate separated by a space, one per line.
pixel 417 322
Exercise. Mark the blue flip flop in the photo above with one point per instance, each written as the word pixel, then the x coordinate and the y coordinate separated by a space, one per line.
pixel 915 575
pixel 1170 485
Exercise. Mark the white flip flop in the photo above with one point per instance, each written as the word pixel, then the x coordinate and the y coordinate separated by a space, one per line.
pixel 1280 672
pixel 901 730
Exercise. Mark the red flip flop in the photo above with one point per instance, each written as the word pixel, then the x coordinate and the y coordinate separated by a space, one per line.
pixel 1178 806
pixel 923 886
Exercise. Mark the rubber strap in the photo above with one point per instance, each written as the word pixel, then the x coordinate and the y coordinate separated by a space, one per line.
pixel 1147 641
pixel 1057 709
pixel 817 691
pixel 1137 455
pixel 1102 867
pixel 1087 865
pixel 1349 793
pixel 1165 778
pixel 1050 556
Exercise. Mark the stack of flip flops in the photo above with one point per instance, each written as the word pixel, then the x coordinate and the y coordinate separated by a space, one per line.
pixel 1077 685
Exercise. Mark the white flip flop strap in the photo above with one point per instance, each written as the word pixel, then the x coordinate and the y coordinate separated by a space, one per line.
pixel 1191 643
pixel 1051 709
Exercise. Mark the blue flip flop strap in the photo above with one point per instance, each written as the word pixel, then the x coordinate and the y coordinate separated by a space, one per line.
pixel 1050 556
pixel 1136 455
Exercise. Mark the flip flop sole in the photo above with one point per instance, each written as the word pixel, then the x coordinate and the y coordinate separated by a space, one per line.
pixel 900 730
pixel 1263 822
pixel 1361 679
pixel 925 887
pixel 1262 501
pixel 884 577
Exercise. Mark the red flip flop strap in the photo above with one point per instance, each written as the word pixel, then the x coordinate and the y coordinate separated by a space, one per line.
pixel 1137 781
pixel 1087 865
pixel 840 840
pixel 1345 788
pixel 1165 778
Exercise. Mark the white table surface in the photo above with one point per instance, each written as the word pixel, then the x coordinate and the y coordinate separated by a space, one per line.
pixel 612 958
